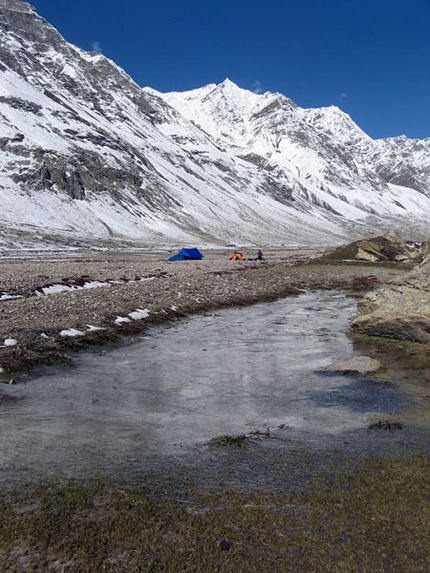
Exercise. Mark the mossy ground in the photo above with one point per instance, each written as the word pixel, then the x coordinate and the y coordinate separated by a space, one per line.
pixel 373 520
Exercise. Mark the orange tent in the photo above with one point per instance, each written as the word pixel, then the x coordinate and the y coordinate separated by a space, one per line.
pixel 237 257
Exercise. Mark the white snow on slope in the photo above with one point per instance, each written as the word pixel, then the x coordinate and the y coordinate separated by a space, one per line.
pixel 86 154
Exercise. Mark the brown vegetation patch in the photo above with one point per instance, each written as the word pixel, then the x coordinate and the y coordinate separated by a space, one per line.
pixel 240 440
pixel 386 424
pixel 364 282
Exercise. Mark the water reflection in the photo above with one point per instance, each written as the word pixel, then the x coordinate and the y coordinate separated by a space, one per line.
pixel 167 394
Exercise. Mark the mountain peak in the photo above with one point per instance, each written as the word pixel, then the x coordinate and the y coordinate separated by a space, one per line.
pixel 231 90
pixel 230 87
pixel 228 83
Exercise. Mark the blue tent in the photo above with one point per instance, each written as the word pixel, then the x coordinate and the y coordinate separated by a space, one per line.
pixel 187 255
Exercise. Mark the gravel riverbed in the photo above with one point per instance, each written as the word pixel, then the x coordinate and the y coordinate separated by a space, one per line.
pixel 126 282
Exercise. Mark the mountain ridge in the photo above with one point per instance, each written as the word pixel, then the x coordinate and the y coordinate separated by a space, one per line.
pixel 88 155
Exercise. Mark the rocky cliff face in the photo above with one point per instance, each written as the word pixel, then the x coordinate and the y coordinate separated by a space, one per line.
pixel 85 153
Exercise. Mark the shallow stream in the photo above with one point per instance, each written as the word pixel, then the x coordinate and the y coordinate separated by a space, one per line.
pixel 156 403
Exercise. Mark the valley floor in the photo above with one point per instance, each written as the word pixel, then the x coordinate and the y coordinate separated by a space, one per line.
pixel 95 299
pixel 356 516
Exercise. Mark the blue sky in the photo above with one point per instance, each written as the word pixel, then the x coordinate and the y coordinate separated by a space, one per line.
pixel 369 57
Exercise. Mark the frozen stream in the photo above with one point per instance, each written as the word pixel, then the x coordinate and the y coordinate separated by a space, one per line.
pixel 164 396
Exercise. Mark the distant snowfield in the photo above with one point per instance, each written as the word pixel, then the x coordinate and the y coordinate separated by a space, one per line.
pixel 242 220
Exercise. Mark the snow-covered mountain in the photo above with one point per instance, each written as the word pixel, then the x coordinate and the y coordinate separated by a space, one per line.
pixel 88 155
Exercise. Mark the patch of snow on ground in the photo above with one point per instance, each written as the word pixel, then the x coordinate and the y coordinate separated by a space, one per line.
pixel 9 296
pixel 10 342
pixel 139 313
pixel 121 319
pixel 56 288
pixel 72 332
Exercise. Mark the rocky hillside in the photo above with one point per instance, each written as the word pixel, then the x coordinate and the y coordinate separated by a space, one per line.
pixel 86 155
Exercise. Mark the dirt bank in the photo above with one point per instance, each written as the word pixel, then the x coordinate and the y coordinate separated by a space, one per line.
pixel 39 328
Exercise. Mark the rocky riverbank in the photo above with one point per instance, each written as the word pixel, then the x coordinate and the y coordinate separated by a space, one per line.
pixel 50 307
pixel 400 310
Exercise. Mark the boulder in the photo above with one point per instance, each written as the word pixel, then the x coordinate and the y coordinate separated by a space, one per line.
pixel 387 248
pixel 400 309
